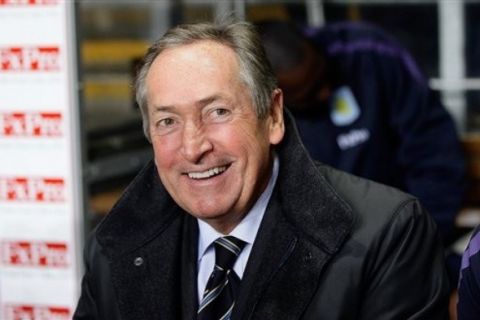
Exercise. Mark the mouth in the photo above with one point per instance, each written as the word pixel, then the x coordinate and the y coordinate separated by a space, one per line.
pixel 212 172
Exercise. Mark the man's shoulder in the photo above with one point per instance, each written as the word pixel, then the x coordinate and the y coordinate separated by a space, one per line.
pixel 361 191
pixel 374 205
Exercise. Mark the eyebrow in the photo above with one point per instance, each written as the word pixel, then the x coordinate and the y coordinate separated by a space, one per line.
pixel 205 101
pixel 200 103
pixel 162 108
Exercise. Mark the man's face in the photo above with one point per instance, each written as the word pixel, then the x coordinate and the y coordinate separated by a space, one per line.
pixel 212 152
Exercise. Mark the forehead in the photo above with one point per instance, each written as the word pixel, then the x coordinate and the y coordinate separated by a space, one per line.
pixel 192 69
pixel 204 56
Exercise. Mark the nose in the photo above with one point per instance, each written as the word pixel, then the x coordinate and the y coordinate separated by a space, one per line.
pixel 195 143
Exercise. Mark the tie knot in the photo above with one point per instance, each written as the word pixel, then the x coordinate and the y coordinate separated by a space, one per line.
pixel 227 250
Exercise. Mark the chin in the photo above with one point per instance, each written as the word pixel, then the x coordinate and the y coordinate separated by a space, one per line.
pixel 208 210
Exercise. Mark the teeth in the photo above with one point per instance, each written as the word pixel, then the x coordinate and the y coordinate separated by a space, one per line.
pixel 207 174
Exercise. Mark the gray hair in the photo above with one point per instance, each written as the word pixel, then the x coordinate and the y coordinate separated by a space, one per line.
pixel 255 70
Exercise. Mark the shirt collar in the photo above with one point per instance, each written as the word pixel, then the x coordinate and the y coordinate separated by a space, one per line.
pixel 247 229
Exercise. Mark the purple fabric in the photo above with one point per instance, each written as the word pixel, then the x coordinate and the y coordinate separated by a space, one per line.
pixel 383 45
pixel 381 48
pixel 472 249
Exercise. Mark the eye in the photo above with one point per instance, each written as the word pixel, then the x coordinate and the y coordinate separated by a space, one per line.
pixel 165 125
pixel 218 114
pixel 221 111
pixel 166 122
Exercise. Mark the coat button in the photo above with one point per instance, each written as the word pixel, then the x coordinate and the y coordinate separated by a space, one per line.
pixel 138 261
pixel 308 257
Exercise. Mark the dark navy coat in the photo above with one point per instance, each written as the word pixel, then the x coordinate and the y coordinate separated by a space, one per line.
pixel 383 122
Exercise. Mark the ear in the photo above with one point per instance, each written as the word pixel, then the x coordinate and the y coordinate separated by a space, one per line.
pixel 276 126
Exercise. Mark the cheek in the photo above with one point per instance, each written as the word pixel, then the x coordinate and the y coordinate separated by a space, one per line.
pixel 253 146
pixel 165 151
pixel 236 140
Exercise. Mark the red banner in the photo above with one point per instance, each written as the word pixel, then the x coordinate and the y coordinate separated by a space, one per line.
pixel 27 2
pixel 31 124
pixel 30 59
pixel 33 312
pixel 35 254
pixel 27 189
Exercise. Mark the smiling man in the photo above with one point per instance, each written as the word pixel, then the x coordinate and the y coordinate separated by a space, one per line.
pixel 233 220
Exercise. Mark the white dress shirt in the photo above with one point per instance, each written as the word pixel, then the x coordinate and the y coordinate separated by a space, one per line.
pixel 247 231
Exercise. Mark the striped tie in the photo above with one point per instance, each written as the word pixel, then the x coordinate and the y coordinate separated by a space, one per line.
pixel 219 296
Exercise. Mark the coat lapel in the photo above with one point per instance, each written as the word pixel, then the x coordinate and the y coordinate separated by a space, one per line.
pixel 268 255
pixel 188 279
pixel 283 271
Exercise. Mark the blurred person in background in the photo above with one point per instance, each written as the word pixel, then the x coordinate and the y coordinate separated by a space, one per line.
pixel 362 105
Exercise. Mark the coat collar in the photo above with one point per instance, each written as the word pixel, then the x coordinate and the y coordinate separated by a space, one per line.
pixel 310 202
pixel 305 224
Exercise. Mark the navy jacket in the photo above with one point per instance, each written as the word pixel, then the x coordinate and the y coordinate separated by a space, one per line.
pixel 383 122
